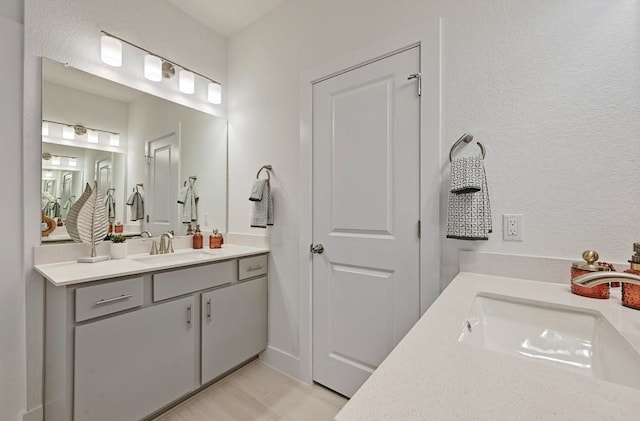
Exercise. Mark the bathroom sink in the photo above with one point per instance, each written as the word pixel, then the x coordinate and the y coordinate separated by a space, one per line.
pixel 175 258
pixel 575 339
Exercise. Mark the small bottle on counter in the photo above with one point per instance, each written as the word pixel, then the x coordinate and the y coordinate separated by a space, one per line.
pixel 631 292
pixel 215 240
pixel 189 230
pixel 197 238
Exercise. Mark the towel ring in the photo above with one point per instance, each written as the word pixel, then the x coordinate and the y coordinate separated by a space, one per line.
pixel 466 138
pixel 265 167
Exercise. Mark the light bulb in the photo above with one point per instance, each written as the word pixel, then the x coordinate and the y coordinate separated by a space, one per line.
pixel 187 82
pixel 152 68
pixel 111 51
pixel 114 139
pixel 68 133
pixel 215 93
pixel 55 160
pixel 73 162
pixel 48 174
pixel 92 136
pixel 45 129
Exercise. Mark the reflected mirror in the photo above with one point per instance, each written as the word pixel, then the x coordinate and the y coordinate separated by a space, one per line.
pixel 141 151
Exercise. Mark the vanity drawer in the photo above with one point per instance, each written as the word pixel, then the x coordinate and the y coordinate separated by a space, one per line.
pixel 100 300
pixel 186 281
pixel 249 267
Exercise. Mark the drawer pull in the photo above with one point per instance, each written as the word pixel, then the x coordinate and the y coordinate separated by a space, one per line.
pixel 254 267
pixel 110 300
pixel 209 310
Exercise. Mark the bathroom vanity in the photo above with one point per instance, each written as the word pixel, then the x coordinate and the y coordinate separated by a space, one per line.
pixel 127 338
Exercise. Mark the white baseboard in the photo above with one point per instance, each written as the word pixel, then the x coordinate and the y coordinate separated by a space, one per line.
pixel 281 361
pixel 35 414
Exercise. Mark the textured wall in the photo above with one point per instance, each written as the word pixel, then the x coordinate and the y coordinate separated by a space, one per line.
pixel 551 88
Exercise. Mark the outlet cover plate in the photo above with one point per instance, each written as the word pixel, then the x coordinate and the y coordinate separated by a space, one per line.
pixel 512 227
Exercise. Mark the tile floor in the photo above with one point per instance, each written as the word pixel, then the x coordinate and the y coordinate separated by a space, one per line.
pixel 258 392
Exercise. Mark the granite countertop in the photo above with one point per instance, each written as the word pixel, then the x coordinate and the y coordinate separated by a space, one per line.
pixel 71 272
pixel 431 376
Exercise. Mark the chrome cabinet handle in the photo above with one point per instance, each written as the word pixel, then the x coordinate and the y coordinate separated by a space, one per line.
pixel 254 267
pixel 189 316
pixel 209 309
pixel 110 300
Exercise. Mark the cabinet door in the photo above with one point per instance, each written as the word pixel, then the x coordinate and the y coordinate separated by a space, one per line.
pixel 131 365
pixel 234 326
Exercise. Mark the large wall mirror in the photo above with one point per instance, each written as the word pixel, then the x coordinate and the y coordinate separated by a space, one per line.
pixel 130 145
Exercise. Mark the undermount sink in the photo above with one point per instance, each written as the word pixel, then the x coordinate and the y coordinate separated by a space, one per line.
pixel 575 339
pixel 177 257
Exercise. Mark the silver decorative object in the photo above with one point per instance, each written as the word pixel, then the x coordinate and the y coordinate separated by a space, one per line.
pixel 88 222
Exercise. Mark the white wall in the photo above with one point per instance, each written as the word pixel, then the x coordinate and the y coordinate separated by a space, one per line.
pixel 68 31
pixel 12 287
pixel 551 88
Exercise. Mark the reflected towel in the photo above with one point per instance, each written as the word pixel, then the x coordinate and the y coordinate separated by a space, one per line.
pixel 262 211
pixel 469 211
pixel 136 201
pixel 110 205
pixel 188 198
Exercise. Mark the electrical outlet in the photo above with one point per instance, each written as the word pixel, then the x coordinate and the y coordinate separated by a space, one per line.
pixel 512 227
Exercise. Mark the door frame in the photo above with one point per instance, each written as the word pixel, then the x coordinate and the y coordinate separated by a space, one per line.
pixel 427 36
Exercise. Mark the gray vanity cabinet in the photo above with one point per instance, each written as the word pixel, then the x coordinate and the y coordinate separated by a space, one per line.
pixel 234 326
pixel 128 366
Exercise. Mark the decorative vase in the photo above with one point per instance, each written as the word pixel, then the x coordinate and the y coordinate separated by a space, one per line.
pixel 118 250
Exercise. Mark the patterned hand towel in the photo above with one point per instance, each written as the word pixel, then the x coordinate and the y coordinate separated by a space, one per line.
pixel 188 198
pixel 262 212
pixel 136 201
pixel 469 212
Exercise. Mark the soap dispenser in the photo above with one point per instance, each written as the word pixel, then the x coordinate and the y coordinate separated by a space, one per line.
pixel 589 265
pixel 631 292
pixel 215 240
pixel 197 238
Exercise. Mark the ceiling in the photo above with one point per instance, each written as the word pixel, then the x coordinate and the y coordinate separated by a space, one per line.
pixel 226 17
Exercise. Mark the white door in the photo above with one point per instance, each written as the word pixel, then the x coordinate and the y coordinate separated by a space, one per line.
pixel 366 198
pixel 161 203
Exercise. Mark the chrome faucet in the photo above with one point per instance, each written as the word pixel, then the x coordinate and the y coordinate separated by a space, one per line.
pixel 147 233
pixel 597 278
pixel 168 247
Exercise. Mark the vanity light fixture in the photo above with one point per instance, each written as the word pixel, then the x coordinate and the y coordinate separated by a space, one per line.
pixel 152 68
pixel 187 82
pixel 215 93
pixel 157 67
pixel 45 129
pixel 111 50
pixel 68 133
pixel 55 160
pixel 73 162
pixel 92 137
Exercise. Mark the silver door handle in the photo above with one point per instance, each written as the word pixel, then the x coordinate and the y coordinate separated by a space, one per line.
pixel 110 300
pixel 316 249
pixel 209 309
pixel 254 267
pixel 189 316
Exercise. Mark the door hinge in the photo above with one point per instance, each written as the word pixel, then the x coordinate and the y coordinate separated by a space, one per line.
pixel 419 229
pixel 419 77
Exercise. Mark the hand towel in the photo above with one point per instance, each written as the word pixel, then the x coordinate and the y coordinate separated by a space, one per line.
pixel 136 201
pixel 188 198
pixel 262 212
pixel 110 205
pixel 469 211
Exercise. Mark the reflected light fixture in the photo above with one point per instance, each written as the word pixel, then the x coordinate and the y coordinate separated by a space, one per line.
pixel 68 133
pixel 92 137
pixel 157 68
pixel 73 162
pixel 45 129
pixel 187 82
pixel 152 68
pixel 114 139
pixel 55 160
pixel 214 93
pixel 111 51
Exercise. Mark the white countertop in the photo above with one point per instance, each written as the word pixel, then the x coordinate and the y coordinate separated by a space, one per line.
pixel 68 273
pixel 431 376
